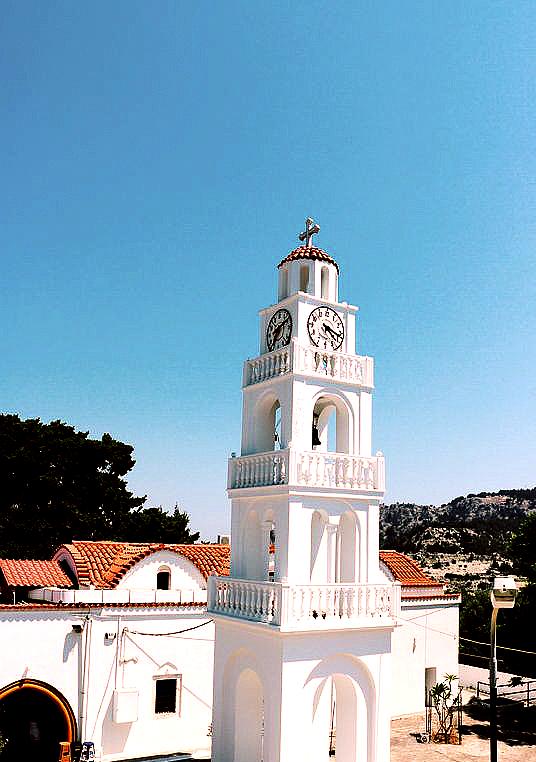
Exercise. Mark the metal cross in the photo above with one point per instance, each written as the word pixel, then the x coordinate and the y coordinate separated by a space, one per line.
pixel 311 229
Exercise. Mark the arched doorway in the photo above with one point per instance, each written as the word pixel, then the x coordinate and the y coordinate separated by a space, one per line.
pixel 34 719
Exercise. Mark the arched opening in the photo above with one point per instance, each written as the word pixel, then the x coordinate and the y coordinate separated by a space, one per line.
pixel 163 578
pixel 283 283
pixel 331 425
pixel 344 709
pixel 319 550
pixel 348 537
pixel 304 278
pixel 249 711
pixel 269 546
pixel 343 735
pixel 34 720
pixel 268 432
pixel 324 283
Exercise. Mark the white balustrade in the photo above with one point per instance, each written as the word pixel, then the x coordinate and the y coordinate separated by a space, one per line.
pixel 305 606
pixel 341 604
pixel 256 601
pixel 309 469
pixel 354 369
pixel 332 469
pixel 310 361
pixel 268 366
pixel 262 470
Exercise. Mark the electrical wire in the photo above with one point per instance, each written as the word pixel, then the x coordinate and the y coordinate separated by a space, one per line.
pixel 504 648
pixel 426 627
pixel 164 634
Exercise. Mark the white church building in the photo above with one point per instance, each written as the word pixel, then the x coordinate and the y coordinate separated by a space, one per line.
pixel 301 640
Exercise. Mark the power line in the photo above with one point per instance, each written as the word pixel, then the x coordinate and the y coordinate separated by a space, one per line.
pixel 504 648
pixel 163 634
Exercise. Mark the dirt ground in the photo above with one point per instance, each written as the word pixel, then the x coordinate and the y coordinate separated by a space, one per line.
pixel 517 738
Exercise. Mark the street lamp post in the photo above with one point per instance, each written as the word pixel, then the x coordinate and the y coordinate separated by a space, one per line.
pixel 503 596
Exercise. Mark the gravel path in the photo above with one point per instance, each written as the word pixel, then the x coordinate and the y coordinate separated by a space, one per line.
pixel 474 748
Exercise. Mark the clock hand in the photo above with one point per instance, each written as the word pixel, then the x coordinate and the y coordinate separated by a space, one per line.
pixel 328 329
pixel 278 331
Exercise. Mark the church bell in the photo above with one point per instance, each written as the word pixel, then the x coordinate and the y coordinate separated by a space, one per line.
pixel 316 438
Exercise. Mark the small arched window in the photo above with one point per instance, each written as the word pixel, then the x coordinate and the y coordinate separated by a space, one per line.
pixel 324 283
pixel 283 283
pixel 304 278
pixel 163 578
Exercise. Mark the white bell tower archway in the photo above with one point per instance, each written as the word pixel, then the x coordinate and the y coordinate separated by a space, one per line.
pixel 304 622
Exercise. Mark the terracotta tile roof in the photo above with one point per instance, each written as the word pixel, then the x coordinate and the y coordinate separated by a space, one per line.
pixel 405 570
pixel 209 559
pixel 308 252
pixel 28 573
pixel 455 597
pixel 103 564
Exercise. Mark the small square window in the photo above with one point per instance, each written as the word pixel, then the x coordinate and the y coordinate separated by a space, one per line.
pixel 165 698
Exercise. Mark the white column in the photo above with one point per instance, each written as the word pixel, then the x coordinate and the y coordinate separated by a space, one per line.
pixel 331 532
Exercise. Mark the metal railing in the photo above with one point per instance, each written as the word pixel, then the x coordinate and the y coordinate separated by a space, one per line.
pixel 524 692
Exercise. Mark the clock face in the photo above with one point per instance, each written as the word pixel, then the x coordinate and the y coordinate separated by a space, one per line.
pixel 325 328
pixel 279 330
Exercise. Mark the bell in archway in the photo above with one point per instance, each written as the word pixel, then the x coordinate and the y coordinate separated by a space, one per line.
pixel 316 438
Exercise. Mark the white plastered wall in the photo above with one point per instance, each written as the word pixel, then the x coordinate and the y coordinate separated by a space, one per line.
pixel 47 649
pixel 293 670
pixel 183 574
pixel 427 639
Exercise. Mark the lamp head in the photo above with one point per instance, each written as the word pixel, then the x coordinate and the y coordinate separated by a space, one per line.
pixel 503 593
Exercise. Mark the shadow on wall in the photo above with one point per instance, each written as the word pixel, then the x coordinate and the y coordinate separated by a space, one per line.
pixel 114 735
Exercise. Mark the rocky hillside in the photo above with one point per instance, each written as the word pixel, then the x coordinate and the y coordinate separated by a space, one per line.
pixel 464 542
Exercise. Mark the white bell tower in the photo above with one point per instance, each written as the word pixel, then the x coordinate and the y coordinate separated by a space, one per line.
pixel 304 622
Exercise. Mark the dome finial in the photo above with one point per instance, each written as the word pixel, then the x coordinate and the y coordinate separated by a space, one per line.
pixel 311 229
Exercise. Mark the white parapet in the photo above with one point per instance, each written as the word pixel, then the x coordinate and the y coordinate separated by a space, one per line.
pixel 305 607
pixel 307 469
pixel 268 366
pixel 310 361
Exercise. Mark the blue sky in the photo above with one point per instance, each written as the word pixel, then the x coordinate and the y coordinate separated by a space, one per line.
pixel 158 161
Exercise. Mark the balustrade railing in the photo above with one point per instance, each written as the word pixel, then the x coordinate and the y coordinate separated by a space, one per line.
pixel 310 361
pixel 257 601
pixel 355 369
pixel 262 470
pixel 331 469
pixel 341 603
pixel 310 469
pixel 268 366
pixel 305 606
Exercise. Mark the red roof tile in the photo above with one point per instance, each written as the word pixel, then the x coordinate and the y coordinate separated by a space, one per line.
pixel 104 564
pixel 308 252
pixel 28 573
pixel 405 570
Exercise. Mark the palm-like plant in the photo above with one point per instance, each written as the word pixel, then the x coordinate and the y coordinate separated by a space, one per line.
pixel 443 700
